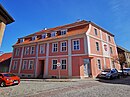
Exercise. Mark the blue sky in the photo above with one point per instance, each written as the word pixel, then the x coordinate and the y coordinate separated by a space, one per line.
pixel 34 15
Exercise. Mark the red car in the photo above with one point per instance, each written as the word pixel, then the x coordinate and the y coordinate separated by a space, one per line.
pixel 7 79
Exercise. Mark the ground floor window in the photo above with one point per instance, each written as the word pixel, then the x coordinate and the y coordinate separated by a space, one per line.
pixel 99 64
pixel 63 64
pixel 54 64
pixel 30 66
pixel 15 65
pixel 24 67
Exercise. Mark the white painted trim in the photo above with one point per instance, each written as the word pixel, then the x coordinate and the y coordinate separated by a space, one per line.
pixel 85 45
pixel 104 62
pixel 53 47
pixel 43 48
pixel 21 60
pixel 31 50
pixel 24 64
pixel 29 65
pixel 69 58
pixel 29 58
pixel 61 46
pixel 36 61
pixel 46 61
pixel 66 63
pixel 89 50
pixel 52 64
pixel 73 44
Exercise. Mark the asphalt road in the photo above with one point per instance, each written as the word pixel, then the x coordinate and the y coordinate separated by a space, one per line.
pixel 79 88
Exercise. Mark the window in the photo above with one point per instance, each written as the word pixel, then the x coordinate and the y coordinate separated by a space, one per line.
pixel 111 50
pixel 44 36
pixel 95 31
pixel 53 34
pixel 63 32
pixel 54 64
pixel 17 52
pixel 97 46
pixel 32 51
pixel 21 40
pixel 63 46
pixel 109 38
pixel 26 50
pixel 24 67
pixel 54 47
pixel 41 49
pixel 15 65
pixel 63 64
pixel 34 38
pixel 76 45
pixel 30 66
pixel 99 64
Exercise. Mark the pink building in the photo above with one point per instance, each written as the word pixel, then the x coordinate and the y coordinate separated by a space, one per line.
pixel 82 48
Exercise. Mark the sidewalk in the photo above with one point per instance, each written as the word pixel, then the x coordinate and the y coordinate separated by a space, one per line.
pixel 58 80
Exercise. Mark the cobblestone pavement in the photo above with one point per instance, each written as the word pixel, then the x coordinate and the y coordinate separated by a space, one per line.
pixel 80 88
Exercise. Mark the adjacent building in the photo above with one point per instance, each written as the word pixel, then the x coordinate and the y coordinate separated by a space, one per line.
pixel 5 60
pixel 81 48
pixel 5 19
pixel 124 56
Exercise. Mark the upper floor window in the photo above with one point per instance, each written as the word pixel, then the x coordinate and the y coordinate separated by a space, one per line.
pixel 31 63
pixel 53 34
pixel 24 67
pixel 32 51
pixel 97 46
pixel 34 38
pixel 15 65
pixel 44 36
pixel 111 50
pixel 26 50
pixel 17 52
pixel 21 40
pixel 95 31
pixel 41 49
pixel 63 46
pixel 99 64
pixel 54 64
pixel 109 38
pixel 63 32
pixel 63 64
pixel 55 47
pixel 76 45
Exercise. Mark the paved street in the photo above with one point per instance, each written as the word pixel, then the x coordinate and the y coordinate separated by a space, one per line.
pixel 78 88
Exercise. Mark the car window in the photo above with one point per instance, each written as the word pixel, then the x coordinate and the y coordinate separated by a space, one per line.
pixel 9 75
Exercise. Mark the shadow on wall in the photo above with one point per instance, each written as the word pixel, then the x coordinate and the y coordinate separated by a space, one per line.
pixel 124 81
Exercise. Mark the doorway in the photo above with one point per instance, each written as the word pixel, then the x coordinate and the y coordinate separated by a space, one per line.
pixel 41 69
pixel 87 68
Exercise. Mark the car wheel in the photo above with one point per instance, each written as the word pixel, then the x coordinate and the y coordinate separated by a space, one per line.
pixel 2 84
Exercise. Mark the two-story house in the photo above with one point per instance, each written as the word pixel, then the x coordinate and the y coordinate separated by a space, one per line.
pixel 82 48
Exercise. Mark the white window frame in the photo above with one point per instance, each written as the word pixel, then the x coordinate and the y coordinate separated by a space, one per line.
pixel 63 64
pixel 95 31
pixel 21 40
pixel 15 65
pixel 34 38
pixel 97 46
pixel 54 64
pixel 44 36
pixel 24 66
pixel 63 32
pixel 53 34
pixel 54 47
pixel 26 50
pixel 17 51
pixel 63 46
pixel 30 65
pixel 99 65
pixel 42 46
pixel 32 51
pixel 76 44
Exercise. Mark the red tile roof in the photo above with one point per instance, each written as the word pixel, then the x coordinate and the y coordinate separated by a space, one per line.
pixel 5 56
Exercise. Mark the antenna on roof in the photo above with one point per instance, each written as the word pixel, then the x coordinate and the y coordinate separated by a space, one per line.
pixel 78 20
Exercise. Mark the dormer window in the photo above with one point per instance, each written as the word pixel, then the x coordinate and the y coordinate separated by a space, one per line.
pixel 21 40
pixel 44 36
pixel 53 34
pixel 34 38
pixel 63 32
